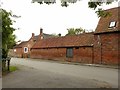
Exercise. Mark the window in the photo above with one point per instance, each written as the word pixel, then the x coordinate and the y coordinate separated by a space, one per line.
pixel 112 24
pixel 14 50
pixel 69 52
pixel 25 49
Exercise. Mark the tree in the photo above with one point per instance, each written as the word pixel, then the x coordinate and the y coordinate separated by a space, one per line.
pixel 73 31
pixel 8 39
pixel 91 4
pixel 79 30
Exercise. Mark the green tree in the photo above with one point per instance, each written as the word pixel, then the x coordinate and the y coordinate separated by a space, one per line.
pixel 8 39
pixel 79 30
pixel 91 4
pixel 73 31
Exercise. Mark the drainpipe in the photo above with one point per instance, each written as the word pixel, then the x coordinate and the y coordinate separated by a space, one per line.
pixel 100 45
pixel 92 55
pixel 101 51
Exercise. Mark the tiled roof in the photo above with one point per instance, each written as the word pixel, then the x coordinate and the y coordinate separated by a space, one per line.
pixel 103 25
pixel 44 36
pixel 21 44
pixel 36 37
pixel 66 41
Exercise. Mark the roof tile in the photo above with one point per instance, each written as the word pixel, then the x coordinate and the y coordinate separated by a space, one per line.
pixel 21 44
pixel 66 41
pixel 103 24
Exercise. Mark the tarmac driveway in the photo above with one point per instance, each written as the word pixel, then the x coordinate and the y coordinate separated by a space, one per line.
pixel 34 73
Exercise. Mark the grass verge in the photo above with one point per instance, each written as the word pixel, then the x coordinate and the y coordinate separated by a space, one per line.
pixel 13 68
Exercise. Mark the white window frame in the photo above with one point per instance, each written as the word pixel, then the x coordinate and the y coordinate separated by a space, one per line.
pixel 25 49
pixel 112 24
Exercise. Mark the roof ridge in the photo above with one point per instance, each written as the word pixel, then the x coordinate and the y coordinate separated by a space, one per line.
pixel 112 8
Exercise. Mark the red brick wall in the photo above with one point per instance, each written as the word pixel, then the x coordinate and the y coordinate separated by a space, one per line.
pixel 28 45
pixel 106 48
pixel 18 52
pixel 53 53
pixel 82 54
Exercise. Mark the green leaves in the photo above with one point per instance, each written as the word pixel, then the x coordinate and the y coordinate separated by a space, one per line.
pixel 8 39
pixel 73 31
pixel 94 5
pixel 64 4
pixel 102 13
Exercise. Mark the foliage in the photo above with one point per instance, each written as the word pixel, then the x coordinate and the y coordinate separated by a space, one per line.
pixel 100 13
pixel 73 31
pixel 8 39
pixel 91 4
pixel 13 68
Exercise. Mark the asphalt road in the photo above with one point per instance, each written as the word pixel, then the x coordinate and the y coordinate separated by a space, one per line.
pixel 34 73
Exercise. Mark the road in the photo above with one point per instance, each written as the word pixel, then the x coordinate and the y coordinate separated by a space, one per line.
pixel 34 73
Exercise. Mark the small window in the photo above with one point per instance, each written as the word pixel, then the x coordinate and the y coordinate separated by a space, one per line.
pixel 112 24
pixel 25 49
pixel 69 52
pixel 14 50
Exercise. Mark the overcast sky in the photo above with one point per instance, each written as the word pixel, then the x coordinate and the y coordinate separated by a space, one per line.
pixel 52 18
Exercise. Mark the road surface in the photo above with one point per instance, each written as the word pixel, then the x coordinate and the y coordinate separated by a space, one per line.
pixel 34 73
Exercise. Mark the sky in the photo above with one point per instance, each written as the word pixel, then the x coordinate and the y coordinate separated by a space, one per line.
pixel 54 18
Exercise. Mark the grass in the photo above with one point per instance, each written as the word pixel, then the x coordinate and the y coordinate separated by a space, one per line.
pixel 13 68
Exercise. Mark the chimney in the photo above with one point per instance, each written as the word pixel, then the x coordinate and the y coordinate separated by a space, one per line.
pixel 41 31
pixel 33 34
pixel 59 34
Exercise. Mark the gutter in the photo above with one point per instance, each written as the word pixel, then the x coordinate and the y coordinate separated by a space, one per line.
pixel 63 47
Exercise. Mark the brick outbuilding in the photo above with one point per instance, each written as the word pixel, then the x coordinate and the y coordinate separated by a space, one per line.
pixel 107 38
pixel 24 48
pixel 100 47
pixel 78 48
